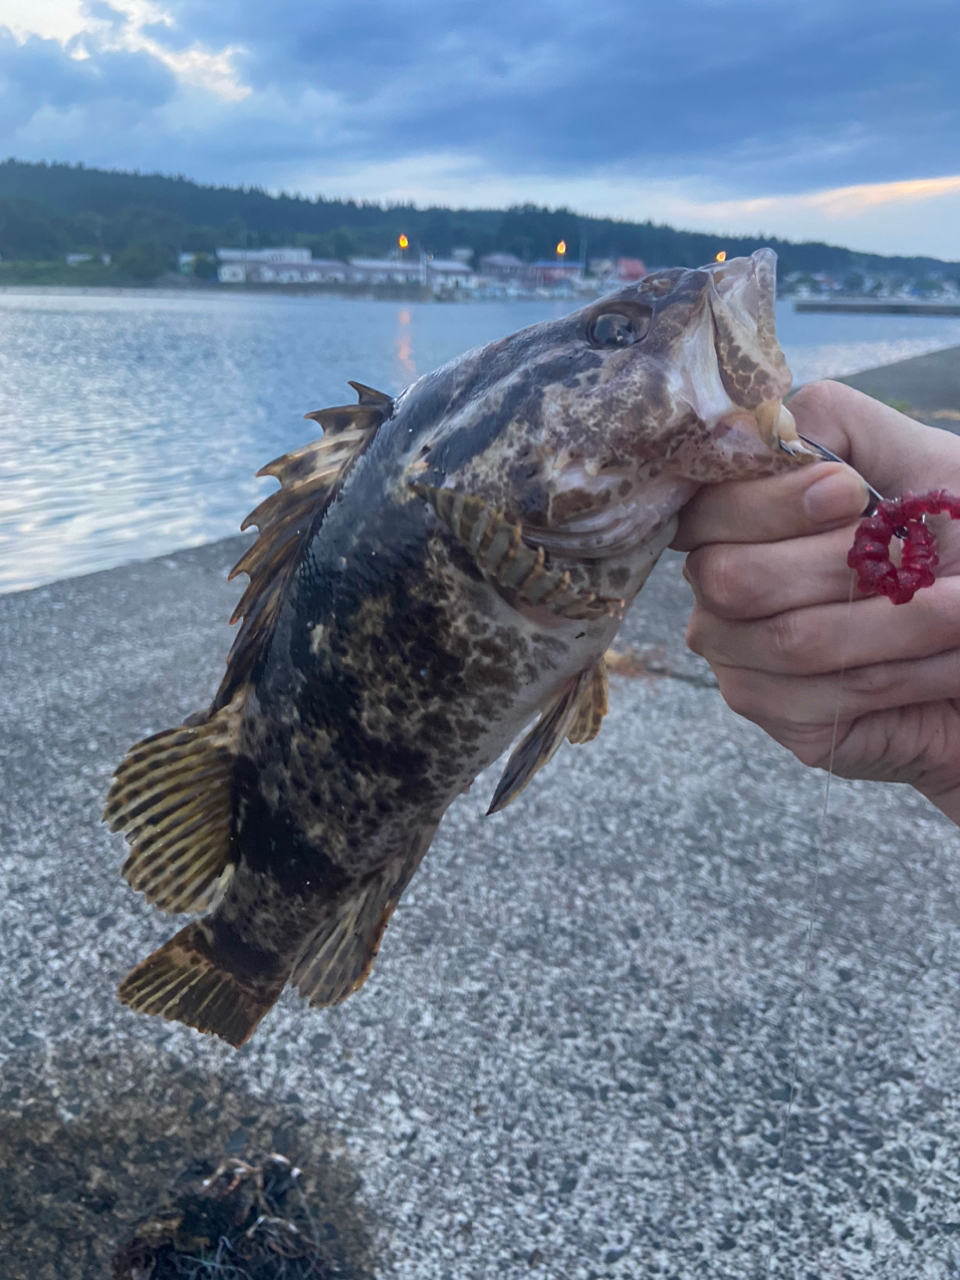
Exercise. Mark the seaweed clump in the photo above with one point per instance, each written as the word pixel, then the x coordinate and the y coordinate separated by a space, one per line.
pixel 235 1221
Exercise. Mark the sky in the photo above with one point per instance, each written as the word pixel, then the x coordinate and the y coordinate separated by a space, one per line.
pixel 836 120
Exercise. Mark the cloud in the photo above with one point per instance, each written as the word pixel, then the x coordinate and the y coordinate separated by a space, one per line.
pixel 710 103
pixel 765 96
pixel 40 76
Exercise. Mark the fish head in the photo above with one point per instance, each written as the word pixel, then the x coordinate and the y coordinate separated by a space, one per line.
pixel 594 428
pixel 692 375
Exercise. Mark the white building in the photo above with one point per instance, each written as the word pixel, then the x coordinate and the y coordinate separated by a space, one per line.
pixel 283 253
pixel 386 271
pixel 283 265
pixel 287 265
pixel 256 266
pixel 448 274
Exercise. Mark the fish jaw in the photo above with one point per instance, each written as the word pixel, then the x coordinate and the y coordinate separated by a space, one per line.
pixel 728 371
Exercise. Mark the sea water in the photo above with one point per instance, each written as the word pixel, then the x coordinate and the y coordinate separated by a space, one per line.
pixel 132 423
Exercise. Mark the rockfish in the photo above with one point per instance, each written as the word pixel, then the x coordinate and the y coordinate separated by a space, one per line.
pixel 432 574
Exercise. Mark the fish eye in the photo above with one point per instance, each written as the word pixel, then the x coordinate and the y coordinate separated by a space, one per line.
pixel 614 329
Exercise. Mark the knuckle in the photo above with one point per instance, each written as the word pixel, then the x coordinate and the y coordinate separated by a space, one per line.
pixel 790 639
pixel 819 398
pixel 879 680
pixel 695 637
pixel 725 582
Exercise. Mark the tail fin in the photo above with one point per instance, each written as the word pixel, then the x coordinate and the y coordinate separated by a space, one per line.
pixel 186 981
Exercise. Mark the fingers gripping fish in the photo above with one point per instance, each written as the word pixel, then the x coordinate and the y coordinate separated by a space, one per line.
pixel 432 575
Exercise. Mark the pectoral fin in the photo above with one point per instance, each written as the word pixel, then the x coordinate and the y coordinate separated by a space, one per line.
pixel 593 705
pixel 575 713
pixel 514 562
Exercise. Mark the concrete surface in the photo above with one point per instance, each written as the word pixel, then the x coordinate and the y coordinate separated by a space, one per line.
pixel 929 385
pixel 574 1056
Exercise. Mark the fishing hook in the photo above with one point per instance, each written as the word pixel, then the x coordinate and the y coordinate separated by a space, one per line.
pixel 829 456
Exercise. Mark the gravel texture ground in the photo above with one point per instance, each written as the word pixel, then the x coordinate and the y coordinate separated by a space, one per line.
pixel 576 1054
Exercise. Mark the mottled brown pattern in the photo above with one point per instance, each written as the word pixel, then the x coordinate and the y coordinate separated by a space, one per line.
pixel 406 652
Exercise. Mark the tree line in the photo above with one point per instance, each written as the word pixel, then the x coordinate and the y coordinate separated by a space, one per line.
pixel 144 220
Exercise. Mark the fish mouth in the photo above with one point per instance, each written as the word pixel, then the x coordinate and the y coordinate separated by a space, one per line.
pixel 752 367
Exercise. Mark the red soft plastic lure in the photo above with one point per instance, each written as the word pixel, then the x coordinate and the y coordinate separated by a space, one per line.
pixel 903 517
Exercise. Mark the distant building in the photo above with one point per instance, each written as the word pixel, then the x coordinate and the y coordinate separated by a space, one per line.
pixel 547 271
pixel 253 266
pixel 295 266
pixel 502 266
pixel 232 272
pixel 629 270
pixel 282 253
pixel 450 273
pixel 283 265
pixel 507 269
pixel 385 271
pixel 601 267
pixel 74 259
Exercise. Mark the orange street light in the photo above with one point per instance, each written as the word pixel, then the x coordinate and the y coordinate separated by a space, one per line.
pixel 561 248
pixel 403 242
pixel 722 255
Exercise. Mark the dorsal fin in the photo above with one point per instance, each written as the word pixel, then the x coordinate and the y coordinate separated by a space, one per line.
pixel 310 478
pixel 376 399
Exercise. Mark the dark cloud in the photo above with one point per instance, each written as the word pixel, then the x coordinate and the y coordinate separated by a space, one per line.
pixel 754 96
pixel 762 94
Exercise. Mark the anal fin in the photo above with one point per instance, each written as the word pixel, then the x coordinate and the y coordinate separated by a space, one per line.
pixel 575 713
pixel 341 953
pixel 171 797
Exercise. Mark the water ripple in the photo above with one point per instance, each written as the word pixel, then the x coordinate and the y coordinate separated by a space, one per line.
pixel 132 424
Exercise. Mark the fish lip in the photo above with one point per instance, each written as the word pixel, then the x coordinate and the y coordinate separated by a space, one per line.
pixel 752 367
pixel 746 289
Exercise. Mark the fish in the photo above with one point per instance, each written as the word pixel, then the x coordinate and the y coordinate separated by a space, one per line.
pixel 436 574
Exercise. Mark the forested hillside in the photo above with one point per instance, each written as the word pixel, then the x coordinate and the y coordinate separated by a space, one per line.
pixel 144 220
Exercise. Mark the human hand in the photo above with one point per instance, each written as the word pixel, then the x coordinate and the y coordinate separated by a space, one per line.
pixel 791 648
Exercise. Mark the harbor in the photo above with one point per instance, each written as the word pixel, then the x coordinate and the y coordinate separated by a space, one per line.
pixel 876 307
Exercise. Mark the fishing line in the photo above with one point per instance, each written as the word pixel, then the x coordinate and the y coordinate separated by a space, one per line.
pixel 808 943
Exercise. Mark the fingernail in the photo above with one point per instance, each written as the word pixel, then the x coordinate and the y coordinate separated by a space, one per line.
pixel 840 496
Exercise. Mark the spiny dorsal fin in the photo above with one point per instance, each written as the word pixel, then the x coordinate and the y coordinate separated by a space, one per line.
pixel 310 478
pixel 504 555
pixel 171 797
pixel 370 396
pixel 557 720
